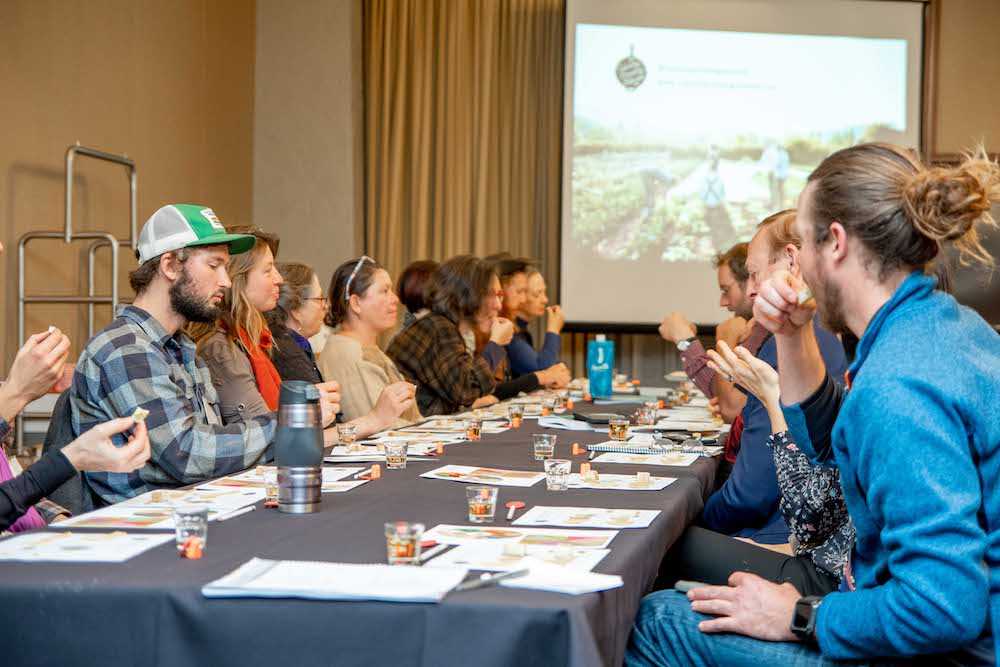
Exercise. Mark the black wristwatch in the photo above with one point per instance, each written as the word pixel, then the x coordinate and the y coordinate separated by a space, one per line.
pixel 804 618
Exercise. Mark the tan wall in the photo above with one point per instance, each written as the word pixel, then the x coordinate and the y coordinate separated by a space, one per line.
pixel 968 74
pixel 170 83
pixel 307 129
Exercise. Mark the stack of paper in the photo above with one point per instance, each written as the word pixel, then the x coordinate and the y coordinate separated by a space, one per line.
pixel 335 581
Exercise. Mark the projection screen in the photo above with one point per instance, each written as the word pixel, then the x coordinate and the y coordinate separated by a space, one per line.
pixel 687 122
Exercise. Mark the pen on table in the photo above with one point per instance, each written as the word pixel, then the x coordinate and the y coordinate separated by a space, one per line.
pixel 362 474
pixel 489 581
pixel 433 551
pixel 234 513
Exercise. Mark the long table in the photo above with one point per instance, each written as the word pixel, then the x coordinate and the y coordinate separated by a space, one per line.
pixel 150 611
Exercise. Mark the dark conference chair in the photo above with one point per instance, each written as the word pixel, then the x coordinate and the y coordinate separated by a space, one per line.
pixel 75 494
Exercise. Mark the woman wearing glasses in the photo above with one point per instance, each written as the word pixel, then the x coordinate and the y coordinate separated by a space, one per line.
pixel 364 305
pixel 297 318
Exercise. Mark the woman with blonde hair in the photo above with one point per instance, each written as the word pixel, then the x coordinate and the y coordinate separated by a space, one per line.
pixel 238 347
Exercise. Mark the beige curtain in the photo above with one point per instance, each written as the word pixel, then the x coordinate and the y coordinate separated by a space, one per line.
pixel 463 125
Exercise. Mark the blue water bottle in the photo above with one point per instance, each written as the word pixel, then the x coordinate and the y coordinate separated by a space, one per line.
pixel 600 361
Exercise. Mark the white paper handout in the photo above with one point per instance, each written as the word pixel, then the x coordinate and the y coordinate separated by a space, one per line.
pixel 678 459
pixel 582 539
pixel 504 557
pixel 69 547
pixel 565 423
pixel 586 517
pixel 693 426
pixel 155 509
pixel 474 475
pixel 557 579
pixel 335 581
pixel 254 478
pixel 368 453
pixel 615 482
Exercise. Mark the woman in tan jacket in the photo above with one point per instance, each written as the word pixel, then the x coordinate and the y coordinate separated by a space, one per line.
pixel 363 305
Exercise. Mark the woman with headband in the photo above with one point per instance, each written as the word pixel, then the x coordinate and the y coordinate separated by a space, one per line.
pixel 363 305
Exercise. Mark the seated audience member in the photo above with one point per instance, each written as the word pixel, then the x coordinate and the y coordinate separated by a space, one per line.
pixel 38 365
pixel 363 305
pixel 463 295
pixel 746 505
pixel 916 437
pixel 145 359
pixel 732 275
pixel 513 274
pixel 297 318
pixel 812 502
pixel 521 351
pixel 237 347
pixel 411 289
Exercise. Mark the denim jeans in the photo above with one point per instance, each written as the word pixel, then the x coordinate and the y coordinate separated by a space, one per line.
pixel 666 633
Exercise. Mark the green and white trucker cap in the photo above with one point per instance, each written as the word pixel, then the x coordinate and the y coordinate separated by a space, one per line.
pixel 177 226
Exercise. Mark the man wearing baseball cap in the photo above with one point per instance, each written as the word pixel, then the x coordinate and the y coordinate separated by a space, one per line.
pixel 144 359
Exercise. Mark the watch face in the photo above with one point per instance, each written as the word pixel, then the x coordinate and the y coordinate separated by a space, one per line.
pixel 803 613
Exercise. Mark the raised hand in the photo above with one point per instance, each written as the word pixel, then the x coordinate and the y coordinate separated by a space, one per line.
pixel 777 306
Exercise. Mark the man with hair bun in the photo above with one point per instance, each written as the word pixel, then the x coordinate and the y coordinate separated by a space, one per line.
pixel 915 434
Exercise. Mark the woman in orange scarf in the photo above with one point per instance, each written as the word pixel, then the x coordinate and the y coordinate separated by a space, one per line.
pixel 238 347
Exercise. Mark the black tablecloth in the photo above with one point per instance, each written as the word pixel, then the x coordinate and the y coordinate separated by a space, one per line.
pixel 150 611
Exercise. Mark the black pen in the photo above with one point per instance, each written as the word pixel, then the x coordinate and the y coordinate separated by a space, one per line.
pixel 484 580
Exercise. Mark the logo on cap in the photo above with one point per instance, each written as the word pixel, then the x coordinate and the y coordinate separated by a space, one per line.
pixel 209 215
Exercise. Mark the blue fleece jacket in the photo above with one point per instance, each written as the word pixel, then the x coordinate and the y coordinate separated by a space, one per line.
pixel 747 503
pixel 917 442
pixel 523 357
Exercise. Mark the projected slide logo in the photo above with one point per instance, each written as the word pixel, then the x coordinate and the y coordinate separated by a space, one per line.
pixel 630 71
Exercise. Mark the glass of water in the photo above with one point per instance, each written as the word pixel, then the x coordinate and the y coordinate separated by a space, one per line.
pixel 557 474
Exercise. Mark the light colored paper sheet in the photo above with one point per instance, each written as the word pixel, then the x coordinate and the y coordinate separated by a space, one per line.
pixel 70 547
pixel 154 510
pixel 335 581
pixel 565 423
pixel 677 459
pixel 474 475
pixel 254 478
pixel 582 539
pixel 586 517
pixel 563 580
pixel 498 557
pixel 610 481
pixel 692 426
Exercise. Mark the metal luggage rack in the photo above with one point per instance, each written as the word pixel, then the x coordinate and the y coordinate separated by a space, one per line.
pixel 97 240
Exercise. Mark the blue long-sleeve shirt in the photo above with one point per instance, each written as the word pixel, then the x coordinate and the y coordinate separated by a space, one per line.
pixel 523 356
pixel 917 442
pixel 747 504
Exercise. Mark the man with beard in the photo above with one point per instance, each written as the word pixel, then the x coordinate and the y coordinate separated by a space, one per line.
pixel 746 505
pixel 143 359
pixel 916 437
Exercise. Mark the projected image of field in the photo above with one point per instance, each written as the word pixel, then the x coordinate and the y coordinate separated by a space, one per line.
pixel 684 140
pixel 676 205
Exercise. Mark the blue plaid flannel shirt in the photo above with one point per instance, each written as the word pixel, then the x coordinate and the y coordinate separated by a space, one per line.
pixel 132 363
